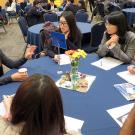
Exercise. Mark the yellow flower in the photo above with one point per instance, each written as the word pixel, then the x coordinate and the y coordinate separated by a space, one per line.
pixel 76 54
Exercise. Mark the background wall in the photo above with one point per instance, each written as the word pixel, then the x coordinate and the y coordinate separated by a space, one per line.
pixel 57 2
pixel 2 2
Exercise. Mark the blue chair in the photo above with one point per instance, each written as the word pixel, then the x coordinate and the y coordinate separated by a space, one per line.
pixel 81 16
pixel 129 5
pixel 27 8
pixel 23 26
pixel 18 8
pixel 97 32
pixel 3 15
pixel 113 8
pixel 2 22
pixel 50 16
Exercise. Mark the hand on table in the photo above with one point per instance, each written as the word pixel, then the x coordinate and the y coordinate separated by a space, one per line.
pixel 131 69
pixel 56 58
pixel 19 76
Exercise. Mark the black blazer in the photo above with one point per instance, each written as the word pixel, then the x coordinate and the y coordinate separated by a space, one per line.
pixel 34 16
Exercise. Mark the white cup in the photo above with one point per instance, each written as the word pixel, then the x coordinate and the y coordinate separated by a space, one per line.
pixel 23 70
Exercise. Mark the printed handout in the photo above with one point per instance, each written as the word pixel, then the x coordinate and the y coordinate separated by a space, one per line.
pixel 107 63
pixel 119 114
pixel 130 78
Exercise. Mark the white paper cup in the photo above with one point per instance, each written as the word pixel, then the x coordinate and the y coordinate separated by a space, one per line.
pixel 23 70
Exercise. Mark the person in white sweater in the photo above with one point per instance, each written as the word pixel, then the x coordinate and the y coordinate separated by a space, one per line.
pixel 11 10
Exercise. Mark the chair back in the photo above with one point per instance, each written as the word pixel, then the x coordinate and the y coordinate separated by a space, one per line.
pixel 81 16
pixel 2 22
pixel 23 25
pixel 50 16
pixel 18 8
pixel 97 32
pixel 113 8
pixel 101 10
pixel 27 8
pixel 129 5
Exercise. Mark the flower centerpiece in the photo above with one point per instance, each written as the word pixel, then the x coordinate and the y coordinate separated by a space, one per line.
pixel 75 56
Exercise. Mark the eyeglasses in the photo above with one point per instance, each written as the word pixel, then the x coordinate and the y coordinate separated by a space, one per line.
pixel 64 23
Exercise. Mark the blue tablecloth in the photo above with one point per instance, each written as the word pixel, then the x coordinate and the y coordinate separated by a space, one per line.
pixel 130 14
pixel 91 106
pixel 34 38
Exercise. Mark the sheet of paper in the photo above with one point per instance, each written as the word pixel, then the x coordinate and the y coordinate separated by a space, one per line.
pixel 107 63
pixel 130 78
pixel 73 124
pixel 119 114
pixel 2 109
pixel 64 59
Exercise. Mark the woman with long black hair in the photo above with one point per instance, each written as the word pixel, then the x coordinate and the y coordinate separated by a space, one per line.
pixel 118 41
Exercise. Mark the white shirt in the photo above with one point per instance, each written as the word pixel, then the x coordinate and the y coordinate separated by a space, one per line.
pixel 12 7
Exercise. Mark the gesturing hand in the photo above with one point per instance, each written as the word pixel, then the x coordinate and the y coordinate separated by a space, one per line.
pixel 30 51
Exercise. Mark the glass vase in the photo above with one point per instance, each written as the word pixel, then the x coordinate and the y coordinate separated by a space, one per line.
pixel 74 72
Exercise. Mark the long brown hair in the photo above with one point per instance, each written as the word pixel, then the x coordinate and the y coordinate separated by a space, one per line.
pixel 38 104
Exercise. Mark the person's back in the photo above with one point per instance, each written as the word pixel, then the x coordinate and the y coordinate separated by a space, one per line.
pixel 31 110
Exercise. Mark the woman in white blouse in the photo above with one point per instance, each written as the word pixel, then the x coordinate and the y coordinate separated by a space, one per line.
pixel 11 10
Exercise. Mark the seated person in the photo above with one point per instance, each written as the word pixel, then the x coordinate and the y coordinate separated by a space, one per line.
pixel 35 14
pixel 68 27
pixel 81 5
pixel 51 5
pixel 12 7
pixel 22 3
pixel 129 125
pixel 118 41
pixel 70 6
pixel 4 60
pixel 63 4
pixel 36 109
pixel 10 10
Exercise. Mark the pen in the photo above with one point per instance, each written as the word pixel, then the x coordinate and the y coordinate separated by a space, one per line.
pixel 101 62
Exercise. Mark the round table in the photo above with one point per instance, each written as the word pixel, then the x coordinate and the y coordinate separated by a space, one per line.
pixel 130 14
pixel 33 36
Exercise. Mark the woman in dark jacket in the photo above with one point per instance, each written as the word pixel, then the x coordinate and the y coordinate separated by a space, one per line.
pixel 35 14
pixel 68 27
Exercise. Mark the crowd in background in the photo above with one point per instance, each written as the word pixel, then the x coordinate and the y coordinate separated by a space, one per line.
pixel 34 114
